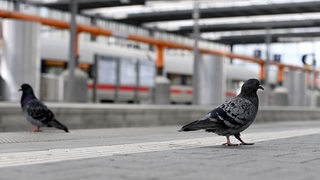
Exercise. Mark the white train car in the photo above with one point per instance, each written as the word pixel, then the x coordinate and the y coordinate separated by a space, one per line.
pixel 178 68
pixel 54 55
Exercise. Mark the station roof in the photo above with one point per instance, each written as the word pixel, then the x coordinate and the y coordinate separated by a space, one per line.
pixel 224 21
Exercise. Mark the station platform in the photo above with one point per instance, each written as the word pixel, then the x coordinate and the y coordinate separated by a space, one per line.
pixel 282 150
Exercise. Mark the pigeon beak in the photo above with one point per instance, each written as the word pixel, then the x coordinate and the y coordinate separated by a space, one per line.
pixel 260 87
pixel 20 90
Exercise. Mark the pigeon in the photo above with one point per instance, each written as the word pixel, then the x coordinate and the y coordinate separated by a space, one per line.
pixel 36 112
pixel 231 117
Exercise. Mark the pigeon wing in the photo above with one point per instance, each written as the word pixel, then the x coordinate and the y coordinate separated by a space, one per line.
pixel 38 111
pixel 236 113
pixel 229 118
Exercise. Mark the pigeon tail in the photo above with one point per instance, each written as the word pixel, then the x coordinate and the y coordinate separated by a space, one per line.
pixel 197 125
pixel 58 125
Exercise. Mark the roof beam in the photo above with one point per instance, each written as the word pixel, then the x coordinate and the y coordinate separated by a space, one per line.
pixel 252 10
pixel 260 38
pixel 89 4
pixel 250 26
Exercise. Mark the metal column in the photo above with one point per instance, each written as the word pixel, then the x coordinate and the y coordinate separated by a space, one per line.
pixel 302 88
pixel 289 84
pixel 21 57
pixel 196 70
pixel 16 5
pixel 267 64
pixel 72 54
pixel 313 89
pixel 296 84
pixel 212 80
pixel 94 23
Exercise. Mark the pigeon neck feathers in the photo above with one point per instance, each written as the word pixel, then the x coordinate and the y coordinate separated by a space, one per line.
pixel 27 96
pixel 249 91
pixel 251 96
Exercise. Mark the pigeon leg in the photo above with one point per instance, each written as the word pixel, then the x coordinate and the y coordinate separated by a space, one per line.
pixel 228 143
pixel 242 142
pixel 36 129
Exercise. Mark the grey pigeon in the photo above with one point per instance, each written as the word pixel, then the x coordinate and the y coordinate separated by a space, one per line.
pixel 36 112
pixel 232 117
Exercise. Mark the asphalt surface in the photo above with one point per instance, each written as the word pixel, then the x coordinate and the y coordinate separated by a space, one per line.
pixel 289 150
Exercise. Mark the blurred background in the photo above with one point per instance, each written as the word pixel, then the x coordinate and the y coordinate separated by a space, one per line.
pixel 157 65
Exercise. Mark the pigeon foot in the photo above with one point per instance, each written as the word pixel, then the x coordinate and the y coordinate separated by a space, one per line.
pixel 229 144
pixel 244 143
pixel 36 129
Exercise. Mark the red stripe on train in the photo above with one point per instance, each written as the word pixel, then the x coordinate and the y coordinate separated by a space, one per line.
pixel 189 92
pixel 121 88
pixel 145 89
pixel 175 91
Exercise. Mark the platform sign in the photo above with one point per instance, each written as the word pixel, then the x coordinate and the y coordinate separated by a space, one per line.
pixel 147 73
pixel 106 70
pixel 128 72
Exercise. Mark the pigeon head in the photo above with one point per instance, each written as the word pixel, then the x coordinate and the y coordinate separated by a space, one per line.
pixel 251 86
pixel 27 94
pixel 26 88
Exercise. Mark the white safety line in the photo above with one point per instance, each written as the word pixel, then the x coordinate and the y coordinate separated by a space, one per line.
pixel 56 155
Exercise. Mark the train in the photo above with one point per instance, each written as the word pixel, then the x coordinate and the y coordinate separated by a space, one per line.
pixel 135 72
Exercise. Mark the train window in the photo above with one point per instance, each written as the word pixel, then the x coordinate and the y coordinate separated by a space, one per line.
pixel 180 79
pixel 174 79
pixel 187 80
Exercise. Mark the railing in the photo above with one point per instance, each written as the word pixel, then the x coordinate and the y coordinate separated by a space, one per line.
pixel 102 23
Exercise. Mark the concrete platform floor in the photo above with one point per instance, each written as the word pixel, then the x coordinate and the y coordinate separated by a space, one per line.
pixel 286 150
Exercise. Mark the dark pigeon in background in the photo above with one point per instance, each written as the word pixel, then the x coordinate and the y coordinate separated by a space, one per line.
pixel 36 112
pixel 232 117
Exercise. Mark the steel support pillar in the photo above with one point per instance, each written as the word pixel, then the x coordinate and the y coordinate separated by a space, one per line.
pixel 72 51
pixel 21 57
pixel 212 80
pixel 196 69
pixel 267 64
pixel 296 85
